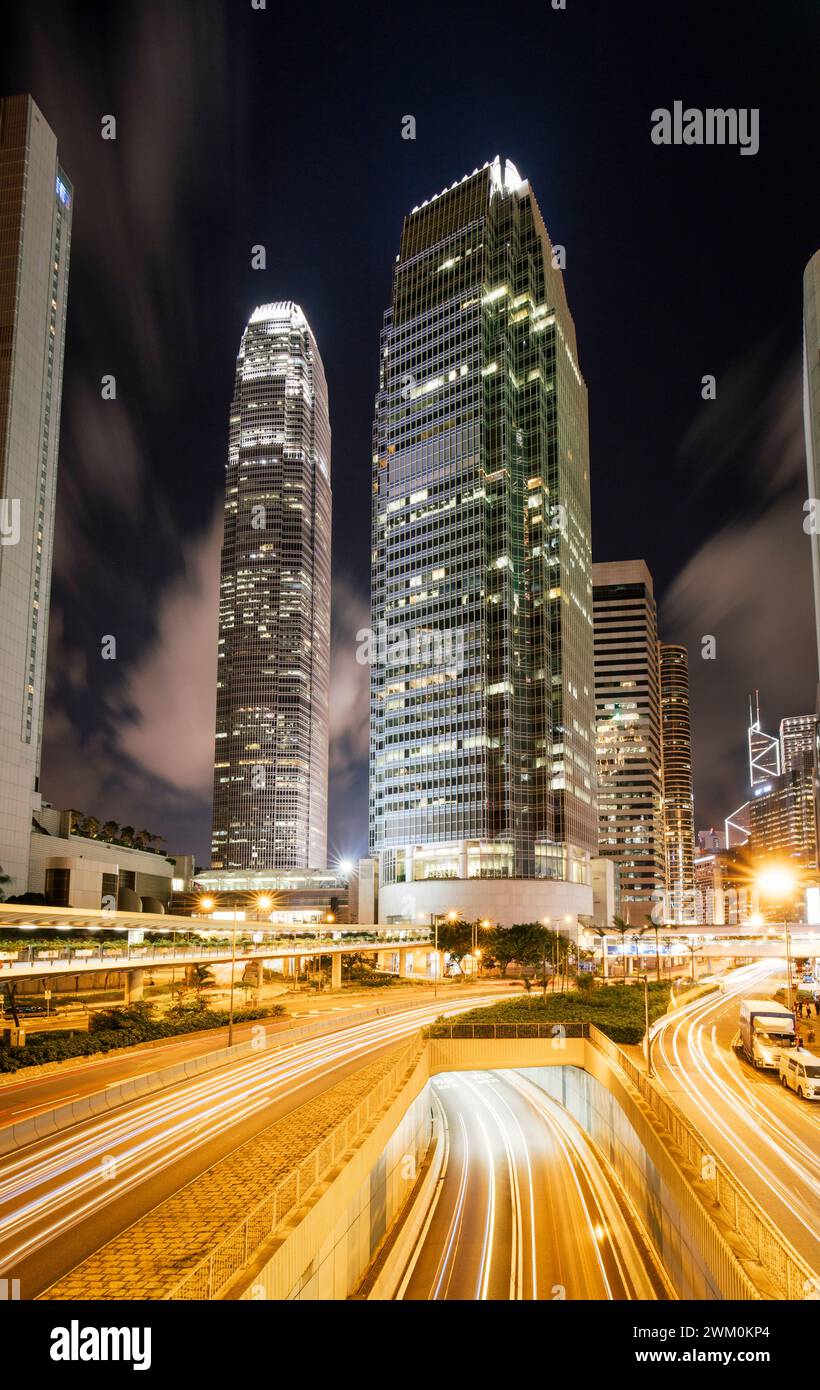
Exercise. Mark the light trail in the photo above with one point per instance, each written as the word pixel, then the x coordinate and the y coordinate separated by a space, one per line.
pixel 59 1183
pixel 754 1123
pixel 531 1197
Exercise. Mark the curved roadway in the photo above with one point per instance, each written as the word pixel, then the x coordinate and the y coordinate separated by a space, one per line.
pixel 64 1197
pixel 767 1136
pixel 525 1209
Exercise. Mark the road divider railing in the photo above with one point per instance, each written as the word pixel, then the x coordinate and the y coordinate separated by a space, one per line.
pixel 208 1278
pixel 787 1271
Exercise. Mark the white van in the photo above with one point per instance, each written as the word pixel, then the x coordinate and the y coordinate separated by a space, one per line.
pixel 800 1070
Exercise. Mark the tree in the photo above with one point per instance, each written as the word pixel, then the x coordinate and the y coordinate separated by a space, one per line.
pixel 621 927
pixel 456 939
pixel 202 977
pixel 602 933
pixel 527 943
pixel 89 826
pixel 4 879
pixel 127 834
pixel 109 830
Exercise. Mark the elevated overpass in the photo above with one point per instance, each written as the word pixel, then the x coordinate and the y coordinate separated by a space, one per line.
pixel 397 946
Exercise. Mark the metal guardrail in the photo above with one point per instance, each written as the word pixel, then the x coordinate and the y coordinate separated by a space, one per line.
pixel 83 958
pixel 499 1031
pixel 211 1275
pixel 788 1271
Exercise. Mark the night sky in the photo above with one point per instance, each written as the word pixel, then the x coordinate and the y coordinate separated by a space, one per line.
pixel 283 127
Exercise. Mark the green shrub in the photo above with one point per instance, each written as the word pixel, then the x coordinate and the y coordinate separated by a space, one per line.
pixel 123 1028
pixel 618 1010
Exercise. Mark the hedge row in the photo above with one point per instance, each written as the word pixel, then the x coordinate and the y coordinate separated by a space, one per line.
pixel 618 1010
pixel 117 1028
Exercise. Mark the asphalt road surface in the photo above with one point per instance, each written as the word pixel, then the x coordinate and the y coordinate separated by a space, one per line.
pixel 64 1197
pixel 525 1208
pixel 767 1136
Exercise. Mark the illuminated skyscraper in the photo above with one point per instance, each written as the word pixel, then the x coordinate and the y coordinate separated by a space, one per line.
pixel 272 709
pixel 35 236
pixel 483 717
pixel 678 801
pixel 764 750
pixel 798 734
pixel 628 715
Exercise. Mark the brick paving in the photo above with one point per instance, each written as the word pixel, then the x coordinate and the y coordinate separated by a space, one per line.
pixel 149 1258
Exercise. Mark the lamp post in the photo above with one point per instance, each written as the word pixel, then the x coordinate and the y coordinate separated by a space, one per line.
pixel 208 904
pixel 649 1070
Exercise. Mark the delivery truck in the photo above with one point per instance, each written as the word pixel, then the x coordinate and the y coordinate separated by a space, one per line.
pixel 766 1029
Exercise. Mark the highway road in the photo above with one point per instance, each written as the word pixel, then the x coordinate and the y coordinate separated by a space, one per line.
pixel 64 1197
pixel 767 1136
pixel 525 1208
pixel 28 1095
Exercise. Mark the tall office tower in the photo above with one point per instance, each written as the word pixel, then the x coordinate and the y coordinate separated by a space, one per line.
pixel 35 237
pixel 272 703
pixel 797 738
pixel 678 798
pixel 628 725
pixel 483 720
pixel 764 749
pixel 782 817
pixel 811 419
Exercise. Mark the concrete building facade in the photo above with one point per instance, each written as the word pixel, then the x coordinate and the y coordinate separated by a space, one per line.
pixel 628 733
pixel 36 204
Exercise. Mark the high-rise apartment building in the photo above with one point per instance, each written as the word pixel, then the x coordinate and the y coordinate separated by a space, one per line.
pixel 678 800
pixel 272 708
pixel 798 734
pixel 36 199
pixel 628 724
pixel 811 419
pixel 482 726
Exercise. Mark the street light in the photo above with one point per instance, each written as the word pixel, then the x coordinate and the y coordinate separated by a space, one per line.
pixel 649 1070
pixel 207 903
pixel 779 882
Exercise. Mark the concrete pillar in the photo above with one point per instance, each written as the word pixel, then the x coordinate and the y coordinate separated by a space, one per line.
pixel 604 940
pixel 336 970
pixel 133 986
pixel 435 965
pixel 288 965
pixel 462 859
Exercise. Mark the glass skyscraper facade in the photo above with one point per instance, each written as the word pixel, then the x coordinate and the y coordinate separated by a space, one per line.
pixel 482 690
pixel 272 708
pixel 630 765
pixel 36 207
pixel 678 797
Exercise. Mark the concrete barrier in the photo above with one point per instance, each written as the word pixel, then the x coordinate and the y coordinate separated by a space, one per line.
pixel 49 1122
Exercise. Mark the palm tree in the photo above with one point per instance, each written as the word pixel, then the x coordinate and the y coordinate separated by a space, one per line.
pixel 603 933
pixel 109 830
pixel 127 834
pixel 621 927
pixel 89 826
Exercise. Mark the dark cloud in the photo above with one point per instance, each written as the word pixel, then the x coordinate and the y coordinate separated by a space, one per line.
pixel 749 584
